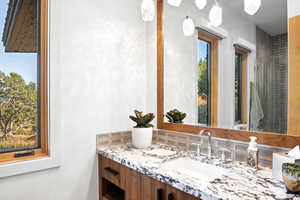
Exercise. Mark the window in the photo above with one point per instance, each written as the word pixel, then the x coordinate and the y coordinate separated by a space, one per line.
pixel 240 87
pixel 207 79
pixel 23 80
pixel 203 80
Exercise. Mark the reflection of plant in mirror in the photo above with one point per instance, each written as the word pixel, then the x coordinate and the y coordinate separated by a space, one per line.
pixel 202 78
pixel 175 116
pixel 141 120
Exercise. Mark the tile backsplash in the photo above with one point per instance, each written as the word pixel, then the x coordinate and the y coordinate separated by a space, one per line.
pixel 234 149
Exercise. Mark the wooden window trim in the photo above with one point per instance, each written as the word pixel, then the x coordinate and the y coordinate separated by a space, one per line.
pixel 214 76
pixel 273 139
pixel 43 150
pixel 244 85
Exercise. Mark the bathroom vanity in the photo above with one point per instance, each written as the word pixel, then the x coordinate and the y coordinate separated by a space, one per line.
pixel 169 172
pixel 119 182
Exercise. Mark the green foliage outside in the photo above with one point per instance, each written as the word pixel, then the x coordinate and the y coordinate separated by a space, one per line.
pixel 18 105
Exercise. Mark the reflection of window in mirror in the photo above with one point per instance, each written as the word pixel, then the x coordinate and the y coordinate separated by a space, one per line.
pixel 206 79
pixel 240 87
pixel 203 76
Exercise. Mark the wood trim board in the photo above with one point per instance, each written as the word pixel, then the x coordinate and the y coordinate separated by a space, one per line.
pixel 293 76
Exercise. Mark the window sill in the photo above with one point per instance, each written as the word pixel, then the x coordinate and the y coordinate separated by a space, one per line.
pixel 28 166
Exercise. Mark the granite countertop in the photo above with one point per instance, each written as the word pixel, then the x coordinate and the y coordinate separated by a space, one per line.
pixel 239 181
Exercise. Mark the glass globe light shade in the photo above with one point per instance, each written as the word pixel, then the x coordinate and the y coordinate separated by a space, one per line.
pixel 251 6
pixel 200 4
pixel 215 15
pixel 175 3
pixel 188 27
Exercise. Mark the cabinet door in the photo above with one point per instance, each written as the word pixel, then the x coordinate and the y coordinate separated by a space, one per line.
pixel 158 190
pixel 184 196
pixel 133 185
pixel 174 194
pixel 146 187
pixel 152 189
pixel 171 193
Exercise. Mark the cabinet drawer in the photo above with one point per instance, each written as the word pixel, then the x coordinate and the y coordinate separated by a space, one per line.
pixel 112 171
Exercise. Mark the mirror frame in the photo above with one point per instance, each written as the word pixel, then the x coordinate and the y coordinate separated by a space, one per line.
pixel 267 138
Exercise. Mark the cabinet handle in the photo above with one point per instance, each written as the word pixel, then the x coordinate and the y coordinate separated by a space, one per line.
pixel 111 171
pixel 171 196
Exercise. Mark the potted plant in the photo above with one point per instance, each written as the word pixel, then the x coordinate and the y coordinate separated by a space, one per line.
pixel 175 116
pixel 291 177
pixel 142 132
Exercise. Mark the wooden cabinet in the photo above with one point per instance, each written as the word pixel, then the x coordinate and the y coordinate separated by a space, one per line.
pixel 174 194
pixel 117 182
pixel 133 185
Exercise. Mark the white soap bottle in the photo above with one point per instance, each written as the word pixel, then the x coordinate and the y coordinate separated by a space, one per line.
pixel 252 154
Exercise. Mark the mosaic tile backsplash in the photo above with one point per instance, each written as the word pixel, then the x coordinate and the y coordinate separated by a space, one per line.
pixel 235 150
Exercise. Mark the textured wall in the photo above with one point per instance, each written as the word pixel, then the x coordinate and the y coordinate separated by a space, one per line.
pixel 98 76
pixel 293 8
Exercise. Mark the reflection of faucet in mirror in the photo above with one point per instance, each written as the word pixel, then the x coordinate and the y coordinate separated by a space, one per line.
pixel 209 147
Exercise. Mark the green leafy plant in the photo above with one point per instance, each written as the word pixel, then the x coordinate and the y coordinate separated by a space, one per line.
pixel 175 116
pixel 141 120
pixel 292 169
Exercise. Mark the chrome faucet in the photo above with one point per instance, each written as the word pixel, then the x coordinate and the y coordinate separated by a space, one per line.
pixel 209 147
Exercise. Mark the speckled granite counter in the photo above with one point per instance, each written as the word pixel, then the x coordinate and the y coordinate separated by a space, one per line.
pixel 240 181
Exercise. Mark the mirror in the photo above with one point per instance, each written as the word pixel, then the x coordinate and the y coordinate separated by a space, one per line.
pixel 232 76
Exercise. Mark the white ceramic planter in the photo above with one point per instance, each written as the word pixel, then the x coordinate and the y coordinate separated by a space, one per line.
pixel 142 137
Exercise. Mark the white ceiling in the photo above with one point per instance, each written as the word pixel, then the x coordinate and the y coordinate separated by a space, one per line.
pixel 271 17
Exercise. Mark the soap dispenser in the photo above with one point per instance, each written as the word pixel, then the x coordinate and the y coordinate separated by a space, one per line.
pixel 252 154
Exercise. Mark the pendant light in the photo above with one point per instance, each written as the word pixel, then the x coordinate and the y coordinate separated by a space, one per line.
pixel 188 27
pixel 175 3
pixel 215 15
pixel 252 6
pixel 148 10
pixel 200 4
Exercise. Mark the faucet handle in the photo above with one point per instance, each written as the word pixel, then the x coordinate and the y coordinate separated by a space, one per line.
pixel 207 131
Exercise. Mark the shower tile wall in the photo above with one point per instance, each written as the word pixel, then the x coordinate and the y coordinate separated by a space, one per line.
pixel 271 80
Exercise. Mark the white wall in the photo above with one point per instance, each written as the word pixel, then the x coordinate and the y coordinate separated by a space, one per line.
pixel 181 60
pixel 98 76
pixel 293 8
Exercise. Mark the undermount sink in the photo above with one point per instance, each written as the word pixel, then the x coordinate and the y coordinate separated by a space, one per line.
pixel 196 169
